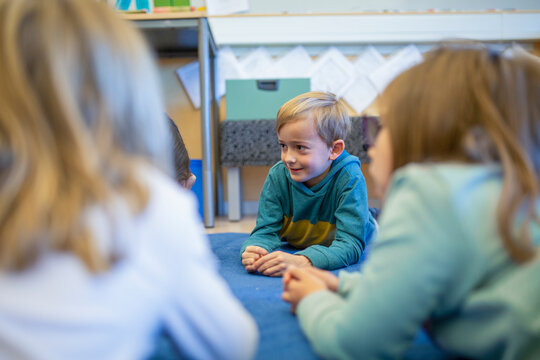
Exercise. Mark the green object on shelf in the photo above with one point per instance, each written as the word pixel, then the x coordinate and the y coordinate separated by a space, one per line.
pixel 159 3
pixel 252 99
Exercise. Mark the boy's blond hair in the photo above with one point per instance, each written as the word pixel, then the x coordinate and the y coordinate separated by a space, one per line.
pixel 328 114
pixel 80 108
pixel 470 104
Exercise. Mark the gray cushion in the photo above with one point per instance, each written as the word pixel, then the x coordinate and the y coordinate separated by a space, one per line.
pixel 255 143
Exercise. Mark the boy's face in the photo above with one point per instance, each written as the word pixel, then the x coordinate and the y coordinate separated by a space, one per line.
pixel 304 153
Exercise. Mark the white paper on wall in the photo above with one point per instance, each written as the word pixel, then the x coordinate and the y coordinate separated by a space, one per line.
pixel 395 65
pixel 224 7
pixel 294 64
pixel 357 82
pixel 359 93
pixel 189 76
pixel 368 61
pixel 331 72
pixel 257 64
pixel 228 67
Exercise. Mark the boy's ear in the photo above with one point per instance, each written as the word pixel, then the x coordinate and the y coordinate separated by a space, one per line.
pixel 337 148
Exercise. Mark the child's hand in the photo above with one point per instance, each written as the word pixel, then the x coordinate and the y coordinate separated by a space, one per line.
pixel 275 263
pixel 250 255
pixel 331 281
pixel 299 283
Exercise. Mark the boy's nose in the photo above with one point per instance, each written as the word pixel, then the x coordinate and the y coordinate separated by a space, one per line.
pixel 289 159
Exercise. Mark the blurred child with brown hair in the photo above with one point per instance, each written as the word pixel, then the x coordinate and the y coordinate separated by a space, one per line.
pixel 458 163
pixel 183 174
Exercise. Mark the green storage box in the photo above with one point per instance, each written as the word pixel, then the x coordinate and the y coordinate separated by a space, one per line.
pixel 158 3
pixel 252 99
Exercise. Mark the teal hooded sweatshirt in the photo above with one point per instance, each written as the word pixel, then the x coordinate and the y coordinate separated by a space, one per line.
pixel 330 223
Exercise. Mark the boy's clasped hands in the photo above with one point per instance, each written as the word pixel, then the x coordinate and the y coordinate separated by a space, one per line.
pixel 300 278
pixel 257 259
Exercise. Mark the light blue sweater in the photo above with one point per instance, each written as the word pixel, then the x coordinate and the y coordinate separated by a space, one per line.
pixel 438 258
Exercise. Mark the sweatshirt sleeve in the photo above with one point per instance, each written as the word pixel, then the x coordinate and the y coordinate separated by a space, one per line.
pixel 354 227
pixel 377 312
pixel 269 217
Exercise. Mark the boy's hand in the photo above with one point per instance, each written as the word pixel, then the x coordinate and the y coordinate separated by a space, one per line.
pixel 299 283
pixel 275 263
pixel 250 255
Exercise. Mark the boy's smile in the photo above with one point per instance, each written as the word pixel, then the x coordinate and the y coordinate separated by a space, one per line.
pixel 304 153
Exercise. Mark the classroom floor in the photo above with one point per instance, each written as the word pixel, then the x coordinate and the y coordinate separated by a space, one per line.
pixel 223 225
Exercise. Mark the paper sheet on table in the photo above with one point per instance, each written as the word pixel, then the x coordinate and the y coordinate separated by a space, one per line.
pixel 395 65
pixel 189 76
pixel 331 72
pixel 359 93
pixel 257 64
pixel 228 67
pixel 223 7
pixel 368 61
pixel 294 64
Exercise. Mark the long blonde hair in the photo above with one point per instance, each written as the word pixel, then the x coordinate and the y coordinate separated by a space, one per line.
pixel 467 103
pixel 80 107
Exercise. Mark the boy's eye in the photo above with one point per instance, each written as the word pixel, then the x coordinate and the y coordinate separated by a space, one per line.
pixel 283 146
pixel 300 147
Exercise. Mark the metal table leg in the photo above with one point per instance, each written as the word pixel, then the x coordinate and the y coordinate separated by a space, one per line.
pixel 206 123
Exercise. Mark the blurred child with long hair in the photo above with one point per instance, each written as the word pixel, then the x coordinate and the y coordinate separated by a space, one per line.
pixel 99 248
pixel 458 162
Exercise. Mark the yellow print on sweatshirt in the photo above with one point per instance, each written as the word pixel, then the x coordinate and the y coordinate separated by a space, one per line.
pixel 302 233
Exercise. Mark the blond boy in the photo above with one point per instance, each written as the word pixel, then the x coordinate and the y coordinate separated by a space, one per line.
pixel 315 198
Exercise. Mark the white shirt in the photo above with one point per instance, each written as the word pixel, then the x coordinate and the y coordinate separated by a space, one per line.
pixel 167 279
